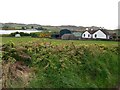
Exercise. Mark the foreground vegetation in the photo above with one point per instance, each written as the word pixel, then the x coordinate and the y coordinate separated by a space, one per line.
pixel 62 63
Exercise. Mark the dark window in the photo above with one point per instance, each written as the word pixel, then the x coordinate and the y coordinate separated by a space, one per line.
pixel 84 35
pixel 95 35
pixel 88 35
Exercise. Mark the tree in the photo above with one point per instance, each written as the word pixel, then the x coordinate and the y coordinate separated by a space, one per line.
pixel 23 28
pixel 65 31
pixel 32 27
pixel 5 27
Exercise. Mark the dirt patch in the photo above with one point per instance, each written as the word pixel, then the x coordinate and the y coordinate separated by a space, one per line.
pixel 16 75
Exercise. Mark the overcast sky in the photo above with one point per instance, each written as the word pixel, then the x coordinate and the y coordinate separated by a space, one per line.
pixel 102 13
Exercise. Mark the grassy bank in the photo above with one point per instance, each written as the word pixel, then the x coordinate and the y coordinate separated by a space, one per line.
pixel 71 64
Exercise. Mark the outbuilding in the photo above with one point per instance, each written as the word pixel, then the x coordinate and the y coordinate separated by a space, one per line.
pixel 17 35
pixel 68 37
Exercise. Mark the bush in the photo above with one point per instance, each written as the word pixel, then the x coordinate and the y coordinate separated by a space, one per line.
pixel 55 36
pixel 33 34
pixel 45 35
pixel 41 34
pixel 24 34
pixel 5 35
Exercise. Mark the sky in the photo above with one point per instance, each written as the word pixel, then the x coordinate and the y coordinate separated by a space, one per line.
pixel 101 13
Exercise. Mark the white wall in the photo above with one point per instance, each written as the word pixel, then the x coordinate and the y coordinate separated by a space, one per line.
pixel 100 35
pixel 86 35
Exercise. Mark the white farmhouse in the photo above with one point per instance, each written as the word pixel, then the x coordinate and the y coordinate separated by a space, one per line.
pixel 86 34
pixel 100 34
pixel 96 34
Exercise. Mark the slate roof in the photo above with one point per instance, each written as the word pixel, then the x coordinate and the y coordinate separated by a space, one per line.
pixel 92 31
pixel 103 30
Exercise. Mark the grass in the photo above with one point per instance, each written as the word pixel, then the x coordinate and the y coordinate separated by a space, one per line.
pixel 24 40
pixel 17 41
pixel 0 40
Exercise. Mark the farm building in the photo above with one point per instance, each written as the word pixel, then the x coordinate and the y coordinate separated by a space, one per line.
pixel 17 35
pixel 96 34
pixel 68 37
pixel 77 34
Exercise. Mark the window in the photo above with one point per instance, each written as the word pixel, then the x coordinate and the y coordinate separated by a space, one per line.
pixel 95 35
pixel 84 35
pixel 88 35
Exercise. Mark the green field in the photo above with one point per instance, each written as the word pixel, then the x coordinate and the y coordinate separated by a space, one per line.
pixel 24 40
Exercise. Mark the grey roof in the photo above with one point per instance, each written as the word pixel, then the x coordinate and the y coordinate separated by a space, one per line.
pixel 103 30
pixel 77 33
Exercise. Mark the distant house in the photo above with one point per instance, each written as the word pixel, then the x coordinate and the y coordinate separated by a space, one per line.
pixel 17 35
pixel 96 34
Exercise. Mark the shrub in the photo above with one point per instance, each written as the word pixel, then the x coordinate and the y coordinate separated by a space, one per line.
pixel 45 35
pixel 33 34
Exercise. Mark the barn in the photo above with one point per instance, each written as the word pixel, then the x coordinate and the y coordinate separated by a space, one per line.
pixel 68 37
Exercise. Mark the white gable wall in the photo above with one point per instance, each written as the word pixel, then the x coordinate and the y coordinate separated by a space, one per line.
pixel 99 34
pixel 87 35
